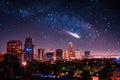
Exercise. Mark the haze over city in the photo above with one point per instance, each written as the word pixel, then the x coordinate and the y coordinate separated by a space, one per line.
pixel 89 24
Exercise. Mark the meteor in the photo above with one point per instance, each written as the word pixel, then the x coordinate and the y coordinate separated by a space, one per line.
pixel 73 34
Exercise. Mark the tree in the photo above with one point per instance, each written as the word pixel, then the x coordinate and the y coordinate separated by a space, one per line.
pixel 105 73
pixel 12 66
pixel 86 75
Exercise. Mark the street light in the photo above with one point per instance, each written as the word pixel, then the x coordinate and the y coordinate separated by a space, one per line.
pixel 24 63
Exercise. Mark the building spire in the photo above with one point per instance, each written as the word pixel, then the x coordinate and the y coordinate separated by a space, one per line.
pixel 70 47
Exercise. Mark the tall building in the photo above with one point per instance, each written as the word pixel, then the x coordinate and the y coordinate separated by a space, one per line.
pixel 28 49
pixel 65 55
pixel 50 55
pixel 70 50
pixel 41 54
pixel 87 54
pixel 70 47
pixel 15 47
pixel 59 53
pixel 77 54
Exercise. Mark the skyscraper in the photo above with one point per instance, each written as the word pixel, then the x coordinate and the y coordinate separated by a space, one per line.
pixel 59 53
pixel 65 55
pixel 87 54
pixel 28 49
pixel 41 54
pixel 15 47
pixel 70 50
pixel 77 54
pixel 70 47
pixel 50 55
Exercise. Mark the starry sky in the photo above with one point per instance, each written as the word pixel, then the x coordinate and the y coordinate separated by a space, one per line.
pixel 52 23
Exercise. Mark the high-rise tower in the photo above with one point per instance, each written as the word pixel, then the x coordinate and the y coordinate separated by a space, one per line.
pixel 87 54
pixel 70 50
pixel 41 54
pixel 70 47
pixel 28 49
pixel 15 47
pixel 59 53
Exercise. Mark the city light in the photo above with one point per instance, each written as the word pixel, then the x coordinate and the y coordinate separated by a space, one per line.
pixel 117 59
pixel 64 68
pixel 24 63
pixel 28 49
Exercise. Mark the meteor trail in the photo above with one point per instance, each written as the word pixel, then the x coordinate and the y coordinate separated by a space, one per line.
pixel 73 34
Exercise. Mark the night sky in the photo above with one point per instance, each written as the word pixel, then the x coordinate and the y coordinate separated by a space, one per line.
pixel 89 24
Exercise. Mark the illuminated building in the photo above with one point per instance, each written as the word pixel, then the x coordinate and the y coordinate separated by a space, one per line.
pixel 41 54
pixel 65 55
pixel 70 47
pixel 59 53
pixel 28 49
pixel 70 50
pixel 87 54
pixel 77 54
pixel 15 47
pixel 50 55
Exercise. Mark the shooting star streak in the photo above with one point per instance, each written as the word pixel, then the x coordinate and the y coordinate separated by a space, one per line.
pixel 73 34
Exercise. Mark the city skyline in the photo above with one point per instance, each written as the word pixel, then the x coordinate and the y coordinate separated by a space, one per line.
pixel 91 25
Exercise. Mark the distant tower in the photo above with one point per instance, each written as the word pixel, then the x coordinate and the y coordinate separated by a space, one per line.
pixel 29 49
pixel 15 47
pixel 41 54
pixel 65 55
pixel 49 55
pixel 59 53
pixel 77 54
pixel 70 50
pixel 87 54
pixel 70 47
